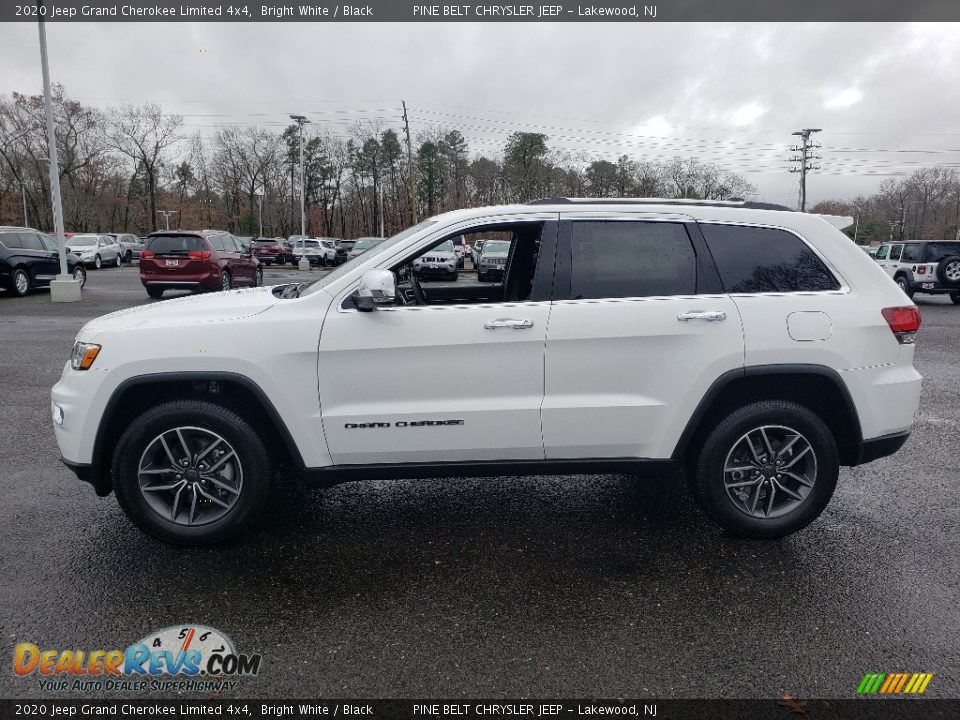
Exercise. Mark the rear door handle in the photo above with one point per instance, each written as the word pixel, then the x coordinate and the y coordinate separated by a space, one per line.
pixel 508 323
pixel 708 315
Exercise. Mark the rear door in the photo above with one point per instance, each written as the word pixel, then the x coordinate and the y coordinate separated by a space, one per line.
pixel 639 330
pixel 43 264
pixel 243 267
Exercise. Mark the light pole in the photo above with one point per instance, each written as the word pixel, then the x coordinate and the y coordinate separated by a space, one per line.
pixel 260 212
pixel 23 193
pixel 166 215
pixel 64 288
pixel 301 120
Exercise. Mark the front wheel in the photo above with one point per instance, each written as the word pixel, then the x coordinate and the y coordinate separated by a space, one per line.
pixel 767 470
pixel 190 472
pixel 119 261
pixel 902 283
pixel 258 279
pixel 80 275
pixel 97 262
pixel 128 257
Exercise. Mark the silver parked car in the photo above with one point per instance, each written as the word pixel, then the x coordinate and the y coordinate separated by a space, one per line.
pixel 441 260
pixel 493 260
pixel 130 246
pixel 94 249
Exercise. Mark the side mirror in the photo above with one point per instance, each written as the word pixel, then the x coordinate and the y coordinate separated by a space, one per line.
pixel 377 287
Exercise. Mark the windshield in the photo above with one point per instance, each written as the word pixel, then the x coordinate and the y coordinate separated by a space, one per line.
pixel 82 240
pixel 445 247
pixel 308 243
pixel 384 246
pixel 366 243
pixel 496 247
pixel 264 243
pixel 173 244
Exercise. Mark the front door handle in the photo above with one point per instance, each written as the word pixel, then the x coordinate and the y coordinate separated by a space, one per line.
pixel 708 315
pixel 508 323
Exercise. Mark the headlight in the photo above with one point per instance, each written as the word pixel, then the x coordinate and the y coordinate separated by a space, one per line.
pixel 83 355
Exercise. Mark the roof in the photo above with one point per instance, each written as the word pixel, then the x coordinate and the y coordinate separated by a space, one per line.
pixel 734 203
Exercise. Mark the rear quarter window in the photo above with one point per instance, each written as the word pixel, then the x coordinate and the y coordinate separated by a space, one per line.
pixel 173 244
pixel 758 260
pixel 10 240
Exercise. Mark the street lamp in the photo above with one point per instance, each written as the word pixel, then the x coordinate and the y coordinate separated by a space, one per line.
pixel 301 120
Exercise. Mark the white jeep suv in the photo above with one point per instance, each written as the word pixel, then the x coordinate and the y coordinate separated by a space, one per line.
pixel 923 266
pixel 751 349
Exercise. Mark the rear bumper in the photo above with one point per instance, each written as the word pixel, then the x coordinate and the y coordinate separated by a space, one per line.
pixel 876 448
pixel 207 280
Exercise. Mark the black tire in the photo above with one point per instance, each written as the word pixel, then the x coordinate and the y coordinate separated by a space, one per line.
pixel 226 282
pixel 251 456
pixel 128 257
pixel 119 262
pixel 454 276
pixel 708 484
pixel 97 262
pixel 155 292
pixel 20 282
pixel 480 277
pixel 80 274
pixel 955 298
pixel 948 271
pixel 904 284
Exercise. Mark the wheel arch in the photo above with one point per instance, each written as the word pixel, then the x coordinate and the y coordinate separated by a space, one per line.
pixel 817 387
pixel 231 390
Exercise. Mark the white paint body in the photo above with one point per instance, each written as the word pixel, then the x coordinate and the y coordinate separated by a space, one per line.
pixel 617 378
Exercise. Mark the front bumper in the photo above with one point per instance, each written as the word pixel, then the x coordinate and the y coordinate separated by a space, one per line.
pixel 93 474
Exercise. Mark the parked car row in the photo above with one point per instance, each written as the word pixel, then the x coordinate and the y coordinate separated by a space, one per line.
pixel 923 266
pixel 30 259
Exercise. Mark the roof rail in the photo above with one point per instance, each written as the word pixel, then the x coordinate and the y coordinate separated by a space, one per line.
pixel 735 203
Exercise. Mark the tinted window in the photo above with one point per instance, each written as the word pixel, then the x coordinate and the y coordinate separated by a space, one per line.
pixel 173 244
pixel 10 240
pixel 895 251
pixel 882 252
pixel 630 259
pixel 937 251
pixel 912 253
pixel 755 260
pixel 31 241
pixel 49 243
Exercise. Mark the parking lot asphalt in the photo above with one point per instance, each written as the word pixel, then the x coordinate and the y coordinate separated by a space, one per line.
pixel 600 586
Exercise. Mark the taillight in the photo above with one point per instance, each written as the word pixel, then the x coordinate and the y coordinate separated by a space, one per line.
pixel 147 254
pixel 922 270
pixel 199 254
pixel 904 322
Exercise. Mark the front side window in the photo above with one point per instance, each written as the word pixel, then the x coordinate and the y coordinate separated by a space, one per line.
pixel 882 252
pixel 618 259
pixel 758 260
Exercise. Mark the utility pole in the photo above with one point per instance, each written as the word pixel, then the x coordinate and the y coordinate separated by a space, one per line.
pixel 300 120
pixel 410 169
pixel 804 159
pixel 166 215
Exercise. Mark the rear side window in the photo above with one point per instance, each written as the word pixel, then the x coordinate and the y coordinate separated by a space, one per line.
pixel 31 241
pixel 10 240
pixel 616 259
pixel 173 244
pixel 757 260
pixel 912 253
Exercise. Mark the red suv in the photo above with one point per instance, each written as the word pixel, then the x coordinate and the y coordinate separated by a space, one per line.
pixel 196 260
pixel 269 250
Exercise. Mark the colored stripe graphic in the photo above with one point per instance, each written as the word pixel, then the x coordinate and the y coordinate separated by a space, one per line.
pixel 894 683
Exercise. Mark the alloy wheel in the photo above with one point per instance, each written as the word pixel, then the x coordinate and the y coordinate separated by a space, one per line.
pixel 80 275
pixel 97 262
pixel 952 271
pixel 770 471
pixel 190 476
pixel 22 282
pixel 224 281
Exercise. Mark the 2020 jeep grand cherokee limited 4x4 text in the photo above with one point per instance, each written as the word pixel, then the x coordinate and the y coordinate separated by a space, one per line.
pixel 754 351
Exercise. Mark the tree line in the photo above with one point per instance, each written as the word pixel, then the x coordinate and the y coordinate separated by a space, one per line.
pixel 119 166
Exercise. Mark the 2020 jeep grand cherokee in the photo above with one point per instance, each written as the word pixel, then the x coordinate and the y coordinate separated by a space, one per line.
pixel 756 350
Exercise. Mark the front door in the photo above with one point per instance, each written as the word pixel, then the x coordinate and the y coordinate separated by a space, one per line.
pixel 448 381
pixel 639 330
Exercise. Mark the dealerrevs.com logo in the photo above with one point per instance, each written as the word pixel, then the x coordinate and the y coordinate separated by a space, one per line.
pixel 179 658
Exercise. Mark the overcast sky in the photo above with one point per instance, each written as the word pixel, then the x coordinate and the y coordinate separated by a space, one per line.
pixel 729 94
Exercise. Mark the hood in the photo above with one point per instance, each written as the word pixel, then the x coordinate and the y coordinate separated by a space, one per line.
pixel 188 310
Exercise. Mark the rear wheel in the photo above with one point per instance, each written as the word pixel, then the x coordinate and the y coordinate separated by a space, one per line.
pixel 155 292
pixel 955 297
pixel 128 257
pixel 767 469
pixel 191 472
pixel 948 270
pixel 225 282
pixel 901 280
pixel 258 279
pixel 21 282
